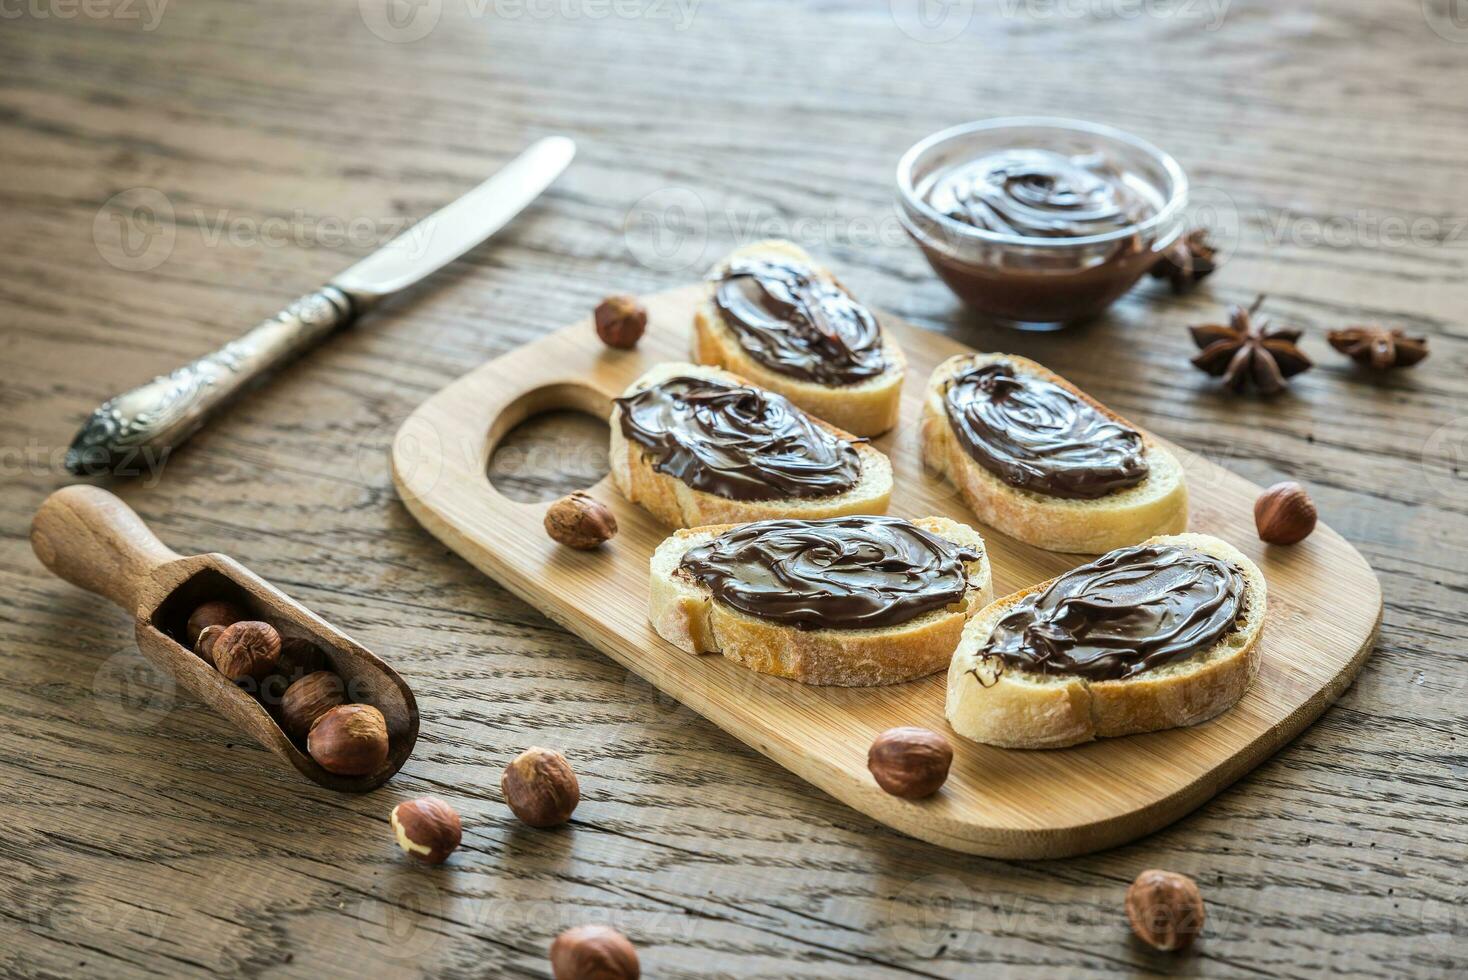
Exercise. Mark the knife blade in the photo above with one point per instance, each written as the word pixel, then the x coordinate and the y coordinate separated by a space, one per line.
pixel 133 433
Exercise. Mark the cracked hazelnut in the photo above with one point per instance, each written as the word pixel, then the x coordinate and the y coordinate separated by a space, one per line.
pixel 427 828
pixel 593 953
pixel 580 521
pixel 204 645
pixel 620 321
pixel 910 762
pixel 247 650
pixel 1284 514
pixel 1165 909
pixel 540 787
pixel 349 740
pixel 308 699
pixel 217 613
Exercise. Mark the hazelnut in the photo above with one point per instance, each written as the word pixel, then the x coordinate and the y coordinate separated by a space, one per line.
pixel 308 699
pixel 910 762
pixel 204 645
pixel 1165 909
pixel 1284 513
pixel 620 321
pixel 247 650
pixel 427 828
pixel 216 613
pixel 349 740
pixel 299 657
pixel 580 521
pixel 540 787
pixel 593 953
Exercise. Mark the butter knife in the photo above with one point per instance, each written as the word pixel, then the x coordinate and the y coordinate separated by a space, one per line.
pixel 134 431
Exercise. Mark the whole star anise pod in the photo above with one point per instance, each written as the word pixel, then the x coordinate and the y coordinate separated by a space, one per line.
pixel 1186 261
pixel 1249 349
pixel 1377 347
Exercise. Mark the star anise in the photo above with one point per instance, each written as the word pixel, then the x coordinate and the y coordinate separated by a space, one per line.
pixel 1249 349
pixel 1377 347
pixel 1186 261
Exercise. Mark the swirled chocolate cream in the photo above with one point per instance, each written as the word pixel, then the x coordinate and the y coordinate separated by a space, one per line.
pixel 838 573
pixel 799 323
pixel 1128 611
pixel 736 441
pixel 1038 436
pixel 1042 194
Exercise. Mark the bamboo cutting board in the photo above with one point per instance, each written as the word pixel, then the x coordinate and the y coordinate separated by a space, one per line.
pixel 1324 610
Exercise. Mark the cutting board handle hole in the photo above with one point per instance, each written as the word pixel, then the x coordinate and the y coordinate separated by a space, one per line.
pixel 548 442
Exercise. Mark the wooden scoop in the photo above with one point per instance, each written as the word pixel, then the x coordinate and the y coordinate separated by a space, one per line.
pixel 93 540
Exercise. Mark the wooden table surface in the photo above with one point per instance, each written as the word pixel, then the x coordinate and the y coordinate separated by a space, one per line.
pixel 174 172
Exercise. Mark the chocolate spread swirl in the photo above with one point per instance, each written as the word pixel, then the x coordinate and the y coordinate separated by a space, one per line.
pixel 799 323
pixel 1038 436
pixel 838 573
pixel 738 442
pixel 1040 194
pixel 1128 611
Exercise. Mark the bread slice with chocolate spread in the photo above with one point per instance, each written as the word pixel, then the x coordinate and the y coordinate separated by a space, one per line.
pixel 839 365
pixel 811 606
pixel 1040 460
pixel 1072 678
pixel 704 482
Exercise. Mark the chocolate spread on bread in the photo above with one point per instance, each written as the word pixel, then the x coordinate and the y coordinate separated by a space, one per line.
pixel 738 442
pixel 1128 611
pixel 799 323
pixel 1038 436
pixel 838 573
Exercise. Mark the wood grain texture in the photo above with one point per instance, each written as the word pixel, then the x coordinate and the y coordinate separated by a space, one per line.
pixel 144 838
pixel 1324 608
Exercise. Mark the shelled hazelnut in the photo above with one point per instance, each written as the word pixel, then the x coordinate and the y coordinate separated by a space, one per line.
pixel 427 828
pixel 1284 514
pixel 1165 909
pixel 620 321
pixel 308 699
pixel 540 787
pixel 593 953
pixel 204 645
pixel 216 613
pixel 247 650
pixel 299 657
pixel 910 762
pixel 349 740
pixel 580 521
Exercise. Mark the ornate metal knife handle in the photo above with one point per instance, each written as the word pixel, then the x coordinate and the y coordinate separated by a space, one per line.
pixel 140 427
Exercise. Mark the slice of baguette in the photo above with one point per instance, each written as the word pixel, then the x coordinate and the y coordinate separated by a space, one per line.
pixel 675 503
pixel 1157 505
pixel 867 408
pixel 1025 710
pixel 685 614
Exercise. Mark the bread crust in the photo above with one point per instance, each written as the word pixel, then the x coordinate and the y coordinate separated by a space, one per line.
pixel 675 503
pixel 1018 709
pixel 685 614
pixel 867 408
pixel 1157 505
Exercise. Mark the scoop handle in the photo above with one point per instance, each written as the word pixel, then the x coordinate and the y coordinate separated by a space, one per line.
pixel 95 541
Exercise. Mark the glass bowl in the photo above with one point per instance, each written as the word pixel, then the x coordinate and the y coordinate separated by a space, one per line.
pixel 1040 283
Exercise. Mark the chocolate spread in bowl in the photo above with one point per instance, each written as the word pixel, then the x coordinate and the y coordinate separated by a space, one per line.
pixel 738 442
pixel 838 573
